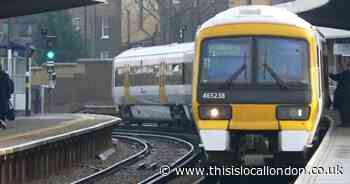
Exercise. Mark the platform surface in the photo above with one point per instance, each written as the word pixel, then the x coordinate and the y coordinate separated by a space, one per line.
pixel 27 132
pixel 334 152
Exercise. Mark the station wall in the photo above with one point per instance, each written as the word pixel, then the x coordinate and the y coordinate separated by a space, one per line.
pixel 83 83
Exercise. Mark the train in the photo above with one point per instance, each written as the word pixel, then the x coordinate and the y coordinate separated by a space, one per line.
pixel 260 85
pixel 154 83
pixel 254 82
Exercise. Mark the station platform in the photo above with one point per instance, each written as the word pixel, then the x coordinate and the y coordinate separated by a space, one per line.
pixel 333 156
pixel 38 146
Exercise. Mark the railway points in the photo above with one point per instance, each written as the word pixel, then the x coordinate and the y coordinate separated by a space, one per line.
pixel 39 146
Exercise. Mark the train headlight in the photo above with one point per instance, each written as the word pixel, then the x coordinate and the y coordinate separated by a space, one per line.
pixel 219 112
pixel 293 112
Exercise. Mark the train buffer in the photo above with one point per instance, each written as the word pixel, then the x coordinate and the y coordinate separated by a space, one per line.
pixel 331 162
pixel 36 147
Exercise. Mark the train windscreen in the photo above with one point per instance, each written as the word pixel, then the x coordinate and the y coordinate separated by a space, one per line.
pixel 254 60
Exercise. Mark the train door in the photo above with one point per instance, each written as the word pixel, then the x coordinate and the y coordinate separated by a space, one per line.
pixel 325 73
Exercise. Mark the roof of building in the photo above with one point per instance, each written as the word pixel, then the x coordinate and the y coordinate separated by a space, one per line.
pixel 326 13
pixel 321 13
pixel 13 8
pixel 257 14
pixel 298 6
pixel 158 50
pixel 333 14
pixel 13 45
pixel 331 33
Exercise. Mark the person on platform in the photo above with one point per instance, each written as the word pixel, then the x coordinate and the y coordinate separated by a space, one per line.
pixel 6 89
pixel 341 100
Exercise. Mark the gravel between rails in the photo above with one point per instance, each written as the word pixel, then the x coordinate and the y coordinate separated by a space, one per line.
pixel 123 150
pixel 163 152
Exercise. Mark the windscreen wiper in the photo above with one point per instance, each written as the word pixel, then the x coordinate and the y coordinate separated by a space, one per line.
pixel 274 75
pixel 235 75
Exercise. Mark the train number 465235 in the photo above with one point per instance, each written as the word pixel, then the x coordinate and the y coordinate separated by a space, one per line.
pixel 214 95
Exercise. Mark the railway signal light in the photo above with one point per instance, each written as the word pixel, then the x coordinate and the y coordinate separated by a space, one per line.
pixel 50 43
pixel 50 55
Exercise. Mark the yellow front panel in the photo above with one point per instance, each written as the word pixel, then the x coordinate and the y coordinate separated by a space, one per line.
pixel 254 117
pixel 258 116
pixel 213 124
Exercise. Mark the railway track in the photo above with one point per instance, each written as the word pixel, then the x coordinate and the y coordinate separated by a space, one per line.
pixel 141 137
pixel 186 159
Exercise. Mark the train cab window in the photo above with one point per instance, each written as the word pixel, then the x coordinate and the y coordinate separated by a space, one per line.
pixel 119 77
pixel 224 58
pixel 284 58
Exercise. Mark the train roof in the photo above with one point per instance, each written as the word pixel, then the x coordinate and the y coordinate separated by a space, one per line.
pixel 173 48
pixel 256 14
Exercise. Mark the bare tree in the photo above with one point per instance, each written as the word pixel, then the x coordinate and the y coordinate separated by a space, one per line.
pixel 177 19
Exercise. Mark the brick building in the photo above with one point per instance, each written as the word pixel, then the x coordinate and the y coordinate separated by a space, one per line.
pixel 100 28
pixel 152 22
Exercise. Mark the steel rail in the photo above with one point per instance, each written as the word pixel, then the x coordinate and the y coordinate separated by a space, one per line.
pixel 181 162
pixel 105 172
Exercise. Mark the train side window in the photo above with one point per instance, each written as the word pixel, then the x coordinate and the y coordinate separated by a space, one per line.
pixel 143 75
pixel 174 74
pixel 154 69
pixel 176 68
pixel 151 75
pixel 132 75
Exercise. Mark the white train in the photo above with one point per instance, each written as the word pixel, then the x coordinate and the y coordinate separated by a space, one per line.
pixel 154 83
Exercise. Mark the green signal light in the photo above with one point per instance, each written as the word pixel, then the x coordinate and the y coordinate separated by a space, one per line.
pixel 50 54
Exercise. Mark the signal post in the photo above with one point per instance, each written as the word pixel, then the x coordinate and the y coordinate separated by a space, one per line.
pixel 51 73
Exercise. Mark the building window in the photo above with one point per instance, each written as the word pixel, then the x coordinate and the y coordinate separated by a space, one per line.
pixel 105 28
pixel 104 54
pixel 76 23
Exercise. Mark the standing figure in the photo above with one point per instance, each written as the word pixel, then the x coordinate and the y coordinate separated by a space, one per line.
pixel 6 89
pixel 341 100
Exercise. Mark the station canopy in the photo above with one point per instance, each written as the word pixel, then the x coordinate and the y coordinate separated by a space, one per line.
pixel 14 8
pixel 334 14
